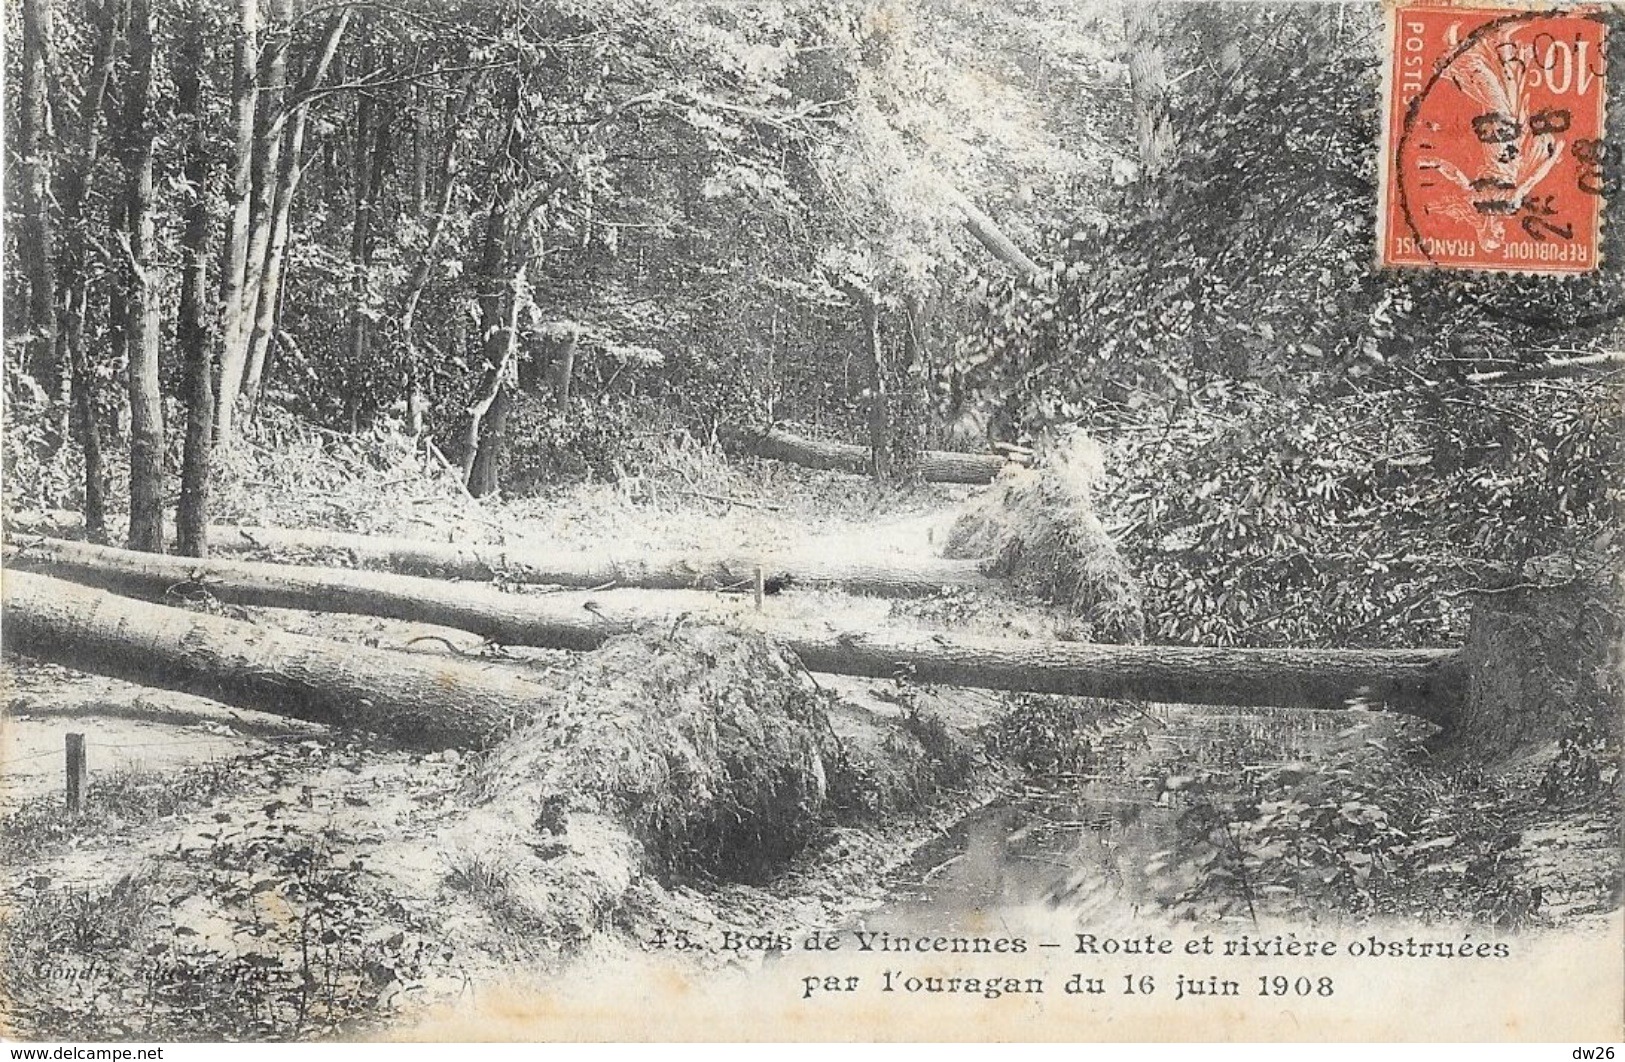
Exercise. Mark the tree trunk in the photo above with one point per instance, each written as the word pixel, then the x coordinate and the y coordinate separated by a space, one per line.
pixel 502 272
pixel 936 466
pixel 446 182
pixel 493 346
pixel 271 111
pixel 545 370
pixel 36 142
pixel 1424 682
pixel 527 564
pixel 192 336
pixel 893 446
pixel 371 149
pixel 991 236
pixel 267 300
pixel 914 329
pixel 1148 89
pixel 907 400
pixel 499 320
pixel 360 181
pixel 90 432
pixel 420 154
pixel 117 306
pixel 146 404
pixel 879 415
pixel 424 701
pixel 234 267
pixel 485 477
pixel 561 366
pixel 75 268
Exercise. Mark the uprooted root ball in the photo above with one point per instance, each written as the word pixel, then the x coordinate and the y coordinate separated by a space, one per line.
pixel 1038 528
pixel 705 744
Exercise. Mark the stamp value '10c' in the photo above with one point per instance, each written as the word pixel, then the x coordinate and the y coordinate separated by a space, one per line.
pixel 1493 152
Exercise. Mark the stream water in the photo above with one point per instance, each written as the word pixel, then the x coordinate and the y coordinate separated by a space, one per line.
pixel 1109 842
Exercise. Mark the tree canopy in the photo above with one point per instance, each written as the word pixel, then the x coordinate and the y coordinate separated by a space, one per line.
pixel 530 232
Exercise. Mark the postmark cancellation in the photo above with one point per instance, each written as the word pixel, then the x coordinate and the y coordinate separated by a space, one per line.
pixel 1494 157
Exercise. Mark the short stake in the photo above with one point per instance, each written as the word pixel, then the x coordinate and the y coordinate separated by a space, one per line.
pixel 76 773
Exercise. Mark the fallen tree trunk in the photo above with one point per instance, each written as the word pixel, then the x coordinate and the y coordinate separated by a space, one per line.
pixel 1553 369
pixel 991 236
pixel 881 575
pixel 422 700
pixel 1424 682
pixel 528 564
pixel 936 466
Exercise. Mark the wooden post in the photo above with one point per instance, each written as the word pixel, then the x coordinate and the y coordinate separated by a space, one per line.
pixel 76 773
pixel 759 587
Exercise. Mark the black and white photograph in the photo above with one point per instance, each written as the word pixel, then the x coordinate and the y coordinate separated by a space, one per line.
pixel 812 520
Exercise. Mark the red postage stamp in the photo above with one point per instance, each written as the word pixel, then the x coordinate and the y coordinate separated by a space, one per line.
pixel 1493 157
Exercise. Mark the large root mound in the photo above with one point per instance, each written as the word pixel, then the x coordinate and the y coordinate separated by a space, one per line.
pixel 694 751
pixel 705 743
pixel 1547 669
pixel 1038 528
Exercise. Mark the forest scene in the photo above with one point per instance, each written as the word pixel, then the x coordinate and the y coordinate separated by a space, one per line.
pixel 491 486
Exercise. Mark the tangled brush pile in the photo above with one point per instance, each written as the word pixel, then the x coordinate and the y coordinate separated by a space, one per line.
pixel 1038 528
pixel 704 743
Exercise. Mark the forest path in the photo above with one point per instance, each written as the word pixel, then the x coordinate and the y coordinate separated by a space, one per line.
pixel 918 534
pixel 135 729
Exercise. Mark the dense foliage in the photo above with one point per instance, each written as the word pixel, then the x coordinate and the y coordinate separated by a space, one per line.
pixel 1297 454
pixel 711 196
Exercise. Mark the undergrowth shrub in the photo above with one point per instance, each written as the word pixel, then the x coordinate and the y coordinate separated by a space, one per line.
pixel 1045 734
pixel 41 470
pixel 1365 832
pixel 286 472
pixel 593 439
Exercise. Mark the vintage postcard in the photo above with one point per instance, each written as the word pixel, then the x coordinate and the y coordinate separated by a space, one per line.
pixel 541 520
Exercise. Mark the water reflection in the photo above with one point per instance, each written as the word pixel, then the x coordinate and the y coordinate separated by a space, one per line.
pixel 1121 839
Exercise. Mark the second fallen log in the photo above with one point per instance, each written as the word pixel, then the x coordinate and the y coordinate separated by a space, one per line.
pixel 936 466
pixel 1424 682
pixel 879 574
